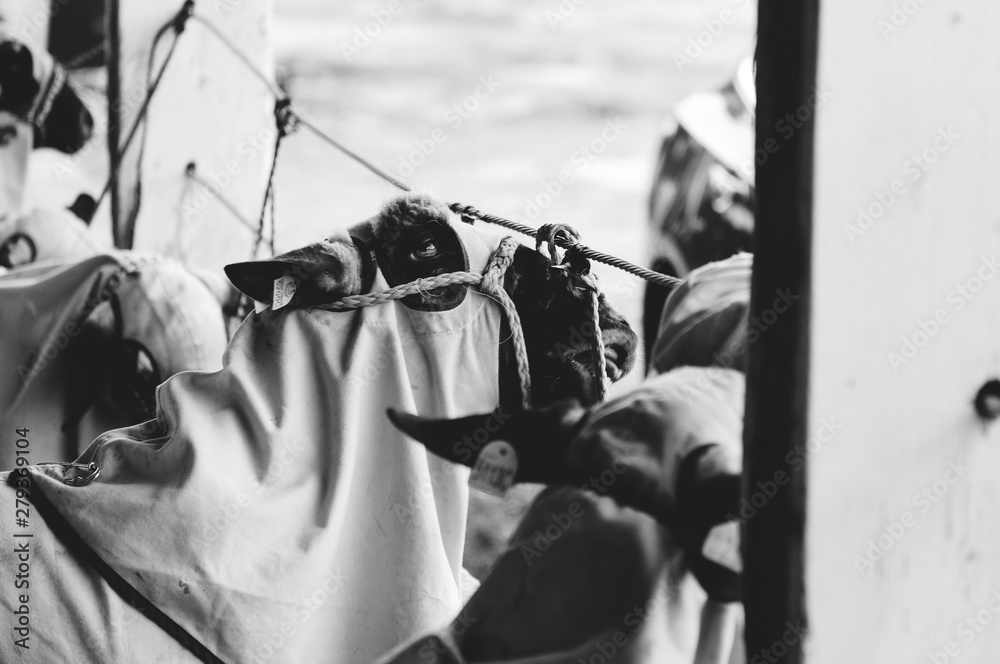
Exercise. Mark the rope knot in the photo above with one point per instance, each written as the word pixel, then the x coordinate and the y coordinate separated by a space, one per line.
pixel 284 117
pixel 186 12
pixel 467 213
pixel 550 234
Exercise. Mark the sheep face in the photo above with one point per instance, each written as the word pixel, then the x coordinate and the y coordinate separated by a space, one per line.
pixel 412 238
pixel 69 125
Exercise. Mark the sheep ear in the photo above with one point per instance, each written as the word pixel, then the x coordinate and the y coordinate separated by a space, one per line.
pixel 541 438
pixel 255 279
pixel 322 273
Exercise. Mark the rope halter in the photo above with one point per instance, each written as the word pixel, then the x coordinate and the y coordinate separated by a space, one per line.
pixel 577 267
pixel 490 283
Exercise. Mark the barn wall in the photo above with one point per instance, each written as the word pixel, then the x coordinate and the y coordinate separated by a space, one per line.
pixel 211 111
pixel 903 510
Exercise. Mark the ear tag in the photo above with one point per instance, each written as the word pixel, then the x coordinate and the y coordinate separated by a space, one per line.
pixel 284 291
pixel 722 546
pixel 495 469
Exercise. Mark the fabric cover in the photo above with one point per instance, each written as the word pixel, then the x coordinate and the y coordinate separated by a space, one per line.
pixel 583 586
pixel 163 306
pixel 19 138
pixel 271 508
pixel 58 235
pixel 704 321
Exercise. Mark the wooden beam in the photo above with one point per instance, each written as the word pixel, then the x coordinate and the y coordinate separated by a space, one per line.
pixel 778 369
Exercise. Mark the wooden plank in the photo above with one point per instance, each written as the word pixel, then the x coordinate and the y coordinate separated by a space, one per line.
pixel 903 530
pixel 779 358
pixel 210 111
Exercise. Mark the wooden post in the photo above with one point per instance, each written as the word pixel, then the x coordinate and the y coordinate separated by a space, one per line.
pixel 210 112
pixel 778 368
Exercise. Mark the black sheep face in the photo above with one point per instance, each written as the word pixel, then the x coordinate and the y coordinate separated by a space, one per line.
pixel 556 314
pixel 414 241
pixel 68 126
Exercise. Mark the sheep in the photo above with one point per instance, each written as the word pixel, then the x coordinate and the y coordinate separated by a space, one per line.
pixel 643 495
pixel 270 508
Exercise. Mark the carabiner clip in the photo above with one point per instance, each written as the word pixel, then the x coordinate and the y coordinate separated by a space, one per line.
pixel 85 474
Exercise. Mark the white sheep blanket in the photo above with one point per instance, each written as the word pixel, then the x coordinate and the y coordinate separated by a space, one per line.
pixel 271 508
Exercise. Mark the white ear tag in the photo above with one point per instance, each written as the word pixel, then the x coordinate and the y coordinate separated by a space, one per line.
pixel 284 290
pixel 722 546
pixel 495 469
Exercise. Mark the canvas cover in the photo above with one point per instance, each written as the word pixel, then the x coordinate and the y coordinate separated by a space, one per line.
pixel 54 235
pixel 16 141
pixel 598 570
pixel 166 308
pixel 271 508
pixel 704 320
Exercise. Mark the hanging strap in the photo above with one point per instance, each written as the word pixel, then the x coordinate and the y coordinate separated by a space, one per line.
pixel 129 594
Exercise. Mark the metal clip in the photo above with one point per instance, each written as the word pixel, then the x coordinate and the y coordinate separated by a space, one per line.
pixel 85 474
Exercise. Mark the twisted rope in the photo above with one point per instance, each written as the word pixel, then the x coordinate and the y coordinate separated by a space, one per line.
pixel 417 286
pixel 490 283
pixel 550 234
pixel 569 243
pixel 600 360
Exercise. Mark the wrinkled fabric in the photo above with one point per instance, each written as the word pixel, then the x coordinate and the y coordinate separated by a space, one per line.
pixel 600 582
pixel 271 508
pixel 163 306
pixel 58 235
pixel 704 320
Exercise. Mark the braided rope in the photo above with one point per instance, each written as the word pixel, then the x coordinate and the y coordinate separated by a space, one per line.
pixel 600 360
pixel 490 282
pixel 414 287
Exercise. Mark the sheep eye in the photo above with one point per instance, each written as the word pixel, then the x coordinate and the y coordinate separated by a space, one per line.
pixel 427 250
